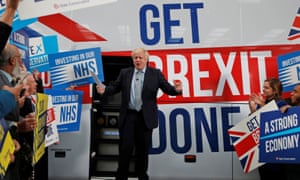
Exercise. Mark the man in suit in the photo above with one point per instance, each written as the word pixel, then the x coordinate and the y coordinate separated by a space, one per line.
pixel 6 21
pixel 138 111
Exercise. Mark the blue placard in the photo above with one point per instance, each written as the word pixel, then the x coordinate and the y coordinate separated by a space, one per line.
pixel 67 105
pixel 75 67
pixel 279 136
pixel 34 48
pixel 289 70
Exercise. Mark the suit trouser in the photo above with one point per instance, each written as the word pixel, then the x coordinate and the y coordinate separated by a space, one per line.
pixel 271 171
pixel 134 135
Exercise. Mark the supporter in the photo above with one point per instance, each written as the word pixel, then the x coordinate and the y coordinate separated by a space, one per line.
pixel 8 97
pixel 272 90
pixel 292 170
pixel 9 63
pixel 26 138
pixel 138 112
pixel 5 30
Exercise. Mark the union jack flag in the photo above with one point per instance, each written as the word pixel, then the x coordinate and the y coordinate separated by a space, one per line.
pixel 246 148
pixel 245 138
pixel 295 30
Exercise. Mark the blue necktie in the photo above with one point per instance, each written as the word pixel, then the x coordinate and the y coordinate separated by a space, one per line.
pixel 138 90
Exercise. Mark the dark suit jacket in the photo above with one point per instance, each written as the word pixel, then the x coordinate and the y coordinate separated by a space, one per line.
pixel 153 80
pixel 5 31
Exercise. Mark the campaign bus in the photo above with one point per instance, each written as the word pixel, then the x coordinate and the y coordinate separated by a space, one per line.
pixel 221 51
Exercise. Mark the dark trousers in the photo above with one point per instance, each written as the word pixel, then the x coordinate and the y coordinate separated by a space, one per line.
pixel 134 136
pixel 271 171
pixel 26 152
pixel 292 171
pixel 12 172
pixel 41 168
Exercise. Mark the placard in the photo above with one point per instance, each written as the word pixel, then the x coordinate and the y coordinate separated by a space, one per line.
pixel 74 67
pixel 245 137
pixel 36 8
pixel 40 131
pixel 279 136
pixel 67 107
pixel 289 70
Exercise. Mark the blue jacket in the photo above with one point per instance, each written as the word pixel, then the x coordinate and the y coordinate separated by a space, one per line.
pixel 7 103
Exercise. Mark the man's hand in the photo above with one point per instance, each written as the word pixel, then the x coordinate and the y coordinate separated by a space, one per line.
pixel 12 4
pixel 71 87
pixel 178 86
pixel 100 89
pixel 27 124
pixel 21 101
pixel 17 148
pixel 14 90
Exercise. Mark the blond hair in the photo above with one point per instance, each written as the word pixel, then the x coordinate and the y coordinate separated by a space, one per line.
pixel 142 50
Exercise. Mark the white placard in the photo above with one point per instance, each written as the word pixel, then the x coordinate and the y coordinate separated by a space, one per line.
pixel 36 8
pixel 97 80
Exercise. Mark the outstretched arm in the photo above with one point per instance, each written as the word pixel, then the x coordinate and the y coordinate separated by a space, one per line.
pixel 6 21
pixel 10 10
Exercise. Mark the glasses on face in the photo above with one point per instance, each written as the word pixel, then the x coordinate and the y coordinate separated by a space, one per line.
pixel 18 57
